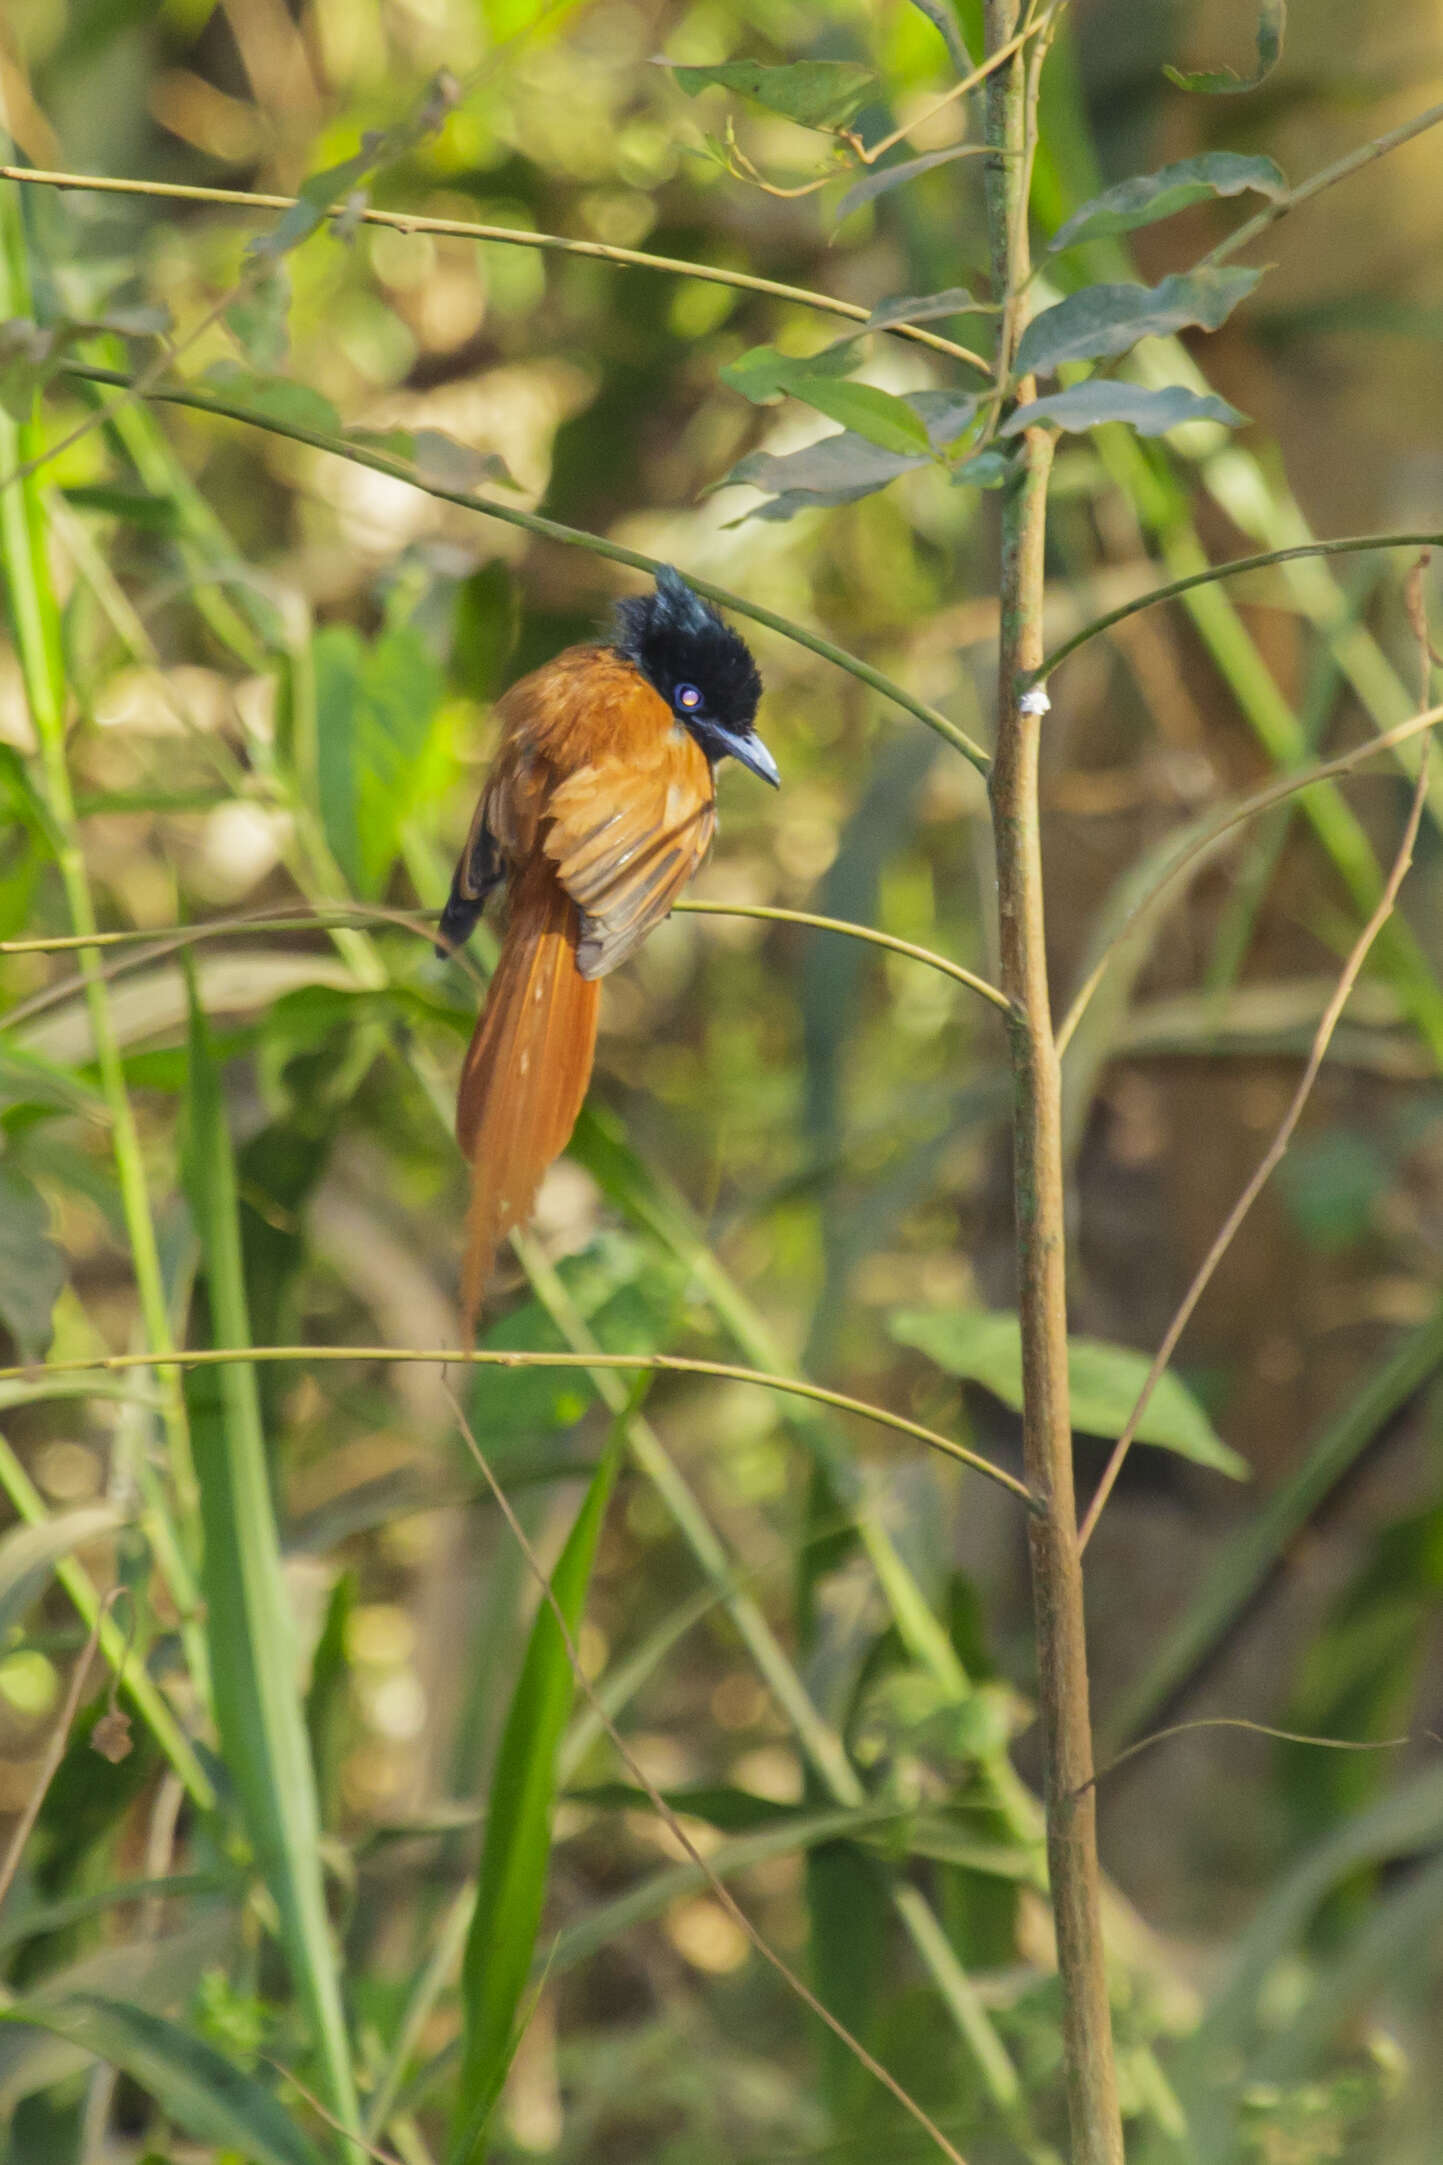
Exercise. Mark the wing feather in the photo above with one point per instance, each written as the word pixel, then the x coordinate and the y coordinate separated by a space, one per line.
pixel 626 837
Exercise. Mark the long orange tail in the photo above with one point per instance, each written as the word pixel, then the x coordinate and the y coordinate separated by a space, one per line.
pixel 527 1068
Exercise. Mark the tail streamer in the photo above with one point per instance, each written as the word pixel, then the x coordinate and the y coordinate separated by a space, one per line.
pixel 526 1071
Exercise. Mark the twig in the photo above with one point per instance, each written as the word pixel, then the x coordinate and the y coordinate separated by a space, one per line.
pixel 745 170
pixel 1340 169
pixel 509 236
pixel 1276 1149
pixel 1235 568
pixel 720 1891
pixel 55 1749
pixel 672 1364
pixel 1252 1728
pixel 160 941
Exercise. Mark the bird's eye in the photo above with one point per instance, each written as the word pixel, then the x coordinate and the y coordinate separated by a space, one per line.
pixel 687 696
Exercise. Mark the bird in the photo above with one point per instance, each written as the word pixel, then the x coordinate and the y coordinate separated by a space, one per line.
pixel 599 806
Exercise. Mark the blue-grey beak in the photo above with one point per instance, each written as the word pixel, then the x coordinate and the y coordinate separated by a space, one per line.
pixel 751 751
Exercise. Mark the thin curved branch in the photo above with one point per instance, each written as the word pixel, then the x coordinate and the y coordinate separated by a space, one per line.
pixel 873 938
pixel 1345 545
pixel 159 942
pixel 532 522
pixel 507 236
pixel 670 1364
pixel 1326 177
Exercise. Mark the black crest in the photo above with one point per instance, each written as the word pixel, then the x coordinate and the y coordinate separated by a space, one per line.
pixel 674 637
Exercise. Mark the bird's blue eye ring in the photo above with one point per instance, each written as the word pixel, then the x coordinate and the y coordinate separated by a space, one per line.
pixel 688 696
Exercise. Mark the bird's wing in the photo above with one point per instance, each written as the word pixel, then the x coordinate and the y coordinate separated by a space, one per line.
pixel 625 836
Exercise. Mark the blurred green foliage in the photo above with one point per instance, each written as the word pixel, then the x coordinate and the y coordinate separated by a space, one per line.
pixel 270 670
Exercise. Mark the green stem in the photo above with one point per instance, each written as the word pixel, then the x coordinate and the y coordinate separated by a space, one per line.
pixel 1345 545
pixel 36 620
pixel 443 1356
pixel 1037 1146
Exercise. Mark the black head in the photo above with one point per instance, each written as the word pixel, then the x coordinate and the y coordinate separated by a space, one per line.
pixel 703 671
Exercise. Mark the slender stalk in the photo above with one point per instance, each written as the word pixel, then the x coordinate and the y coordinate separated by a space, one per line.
pixel 671 1364
pixel 1235 568
pixel 713 274
pixel 36 621
pixel 1037 1146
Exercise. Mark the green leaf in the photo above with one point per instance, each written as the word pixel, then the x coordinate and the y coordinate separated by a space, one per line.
pixel 763 375
pixel 921 308
pixel 823 94
pixel 1151 413
pixel 194 2085
pixel 258 319
pixel 277 398
pixel 939 14
pixel 29 356
pixel 32 1268
pixel 249 1622
pixel 624 1290
pixel 1104 320
pixel 436 456
pixel 1272 20
pixel 1151 196
pixel 878 417
pixel 378 755
pixel 28 1555
pixel 837 470
pixel 986 1347
pixel 514 1858
pixel 887 177
pixel 984 470
pixel 943 414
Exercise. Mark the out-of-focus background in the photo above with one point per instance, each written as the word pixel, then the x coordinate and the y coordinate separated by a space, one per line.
pixel 279 669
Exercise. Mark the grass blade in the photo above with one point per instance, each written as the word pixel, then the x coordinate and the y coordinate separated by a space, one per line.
pixel 194 2085
pixel 250 1628
pixel 512 1884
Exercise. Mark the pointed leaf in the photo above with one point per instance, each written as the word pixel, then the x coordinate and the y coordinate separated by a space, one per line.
pixel 435 455
pixel 28 1555
pixel 194 2085
pixel 921 308
pixel 836 470
pixel 823 94
pixel 943 414
pixel 764 376
pixel 1272 19
pixel 879 417
pixel 986 1347
pixel 939 14
pixel 896 176
pixel 984 470
pixel 517 1849
pixel 1151 413
pixel 32 1268
pixel 1104 320
pixel 249 1622
pixel 1141 202
pixel 276 397
pixel 845 463
pixel 258 318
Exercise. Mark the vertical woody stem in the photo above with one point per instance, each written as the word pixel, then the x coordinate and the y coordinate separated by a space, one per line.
pixel 1047 1434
